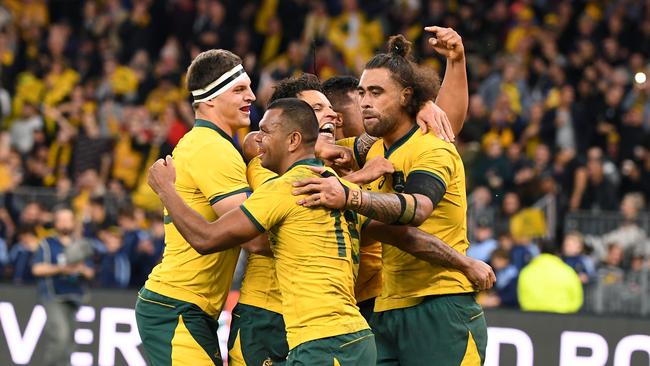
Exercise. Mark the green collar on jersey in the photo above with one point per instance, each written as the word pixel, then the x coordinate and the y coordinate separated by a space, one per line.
pixel 214 127
pixel 399 142
pixel 308 161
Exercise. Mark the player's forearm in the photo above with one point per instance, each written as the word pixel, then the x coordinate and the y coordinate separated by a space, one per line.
pixel 416 242
pixel 389 208
pixel 363 145
pixel 360 176
pixel 453 96
pixel 432 249
pixel 199 233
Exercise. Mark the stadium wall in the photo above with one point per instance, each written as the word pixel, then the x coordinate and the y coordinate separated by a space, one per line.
pixel 107 334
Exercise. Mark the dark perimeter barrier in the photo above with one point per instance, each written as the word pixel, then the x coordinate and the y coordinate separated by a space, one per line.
pixel 107 335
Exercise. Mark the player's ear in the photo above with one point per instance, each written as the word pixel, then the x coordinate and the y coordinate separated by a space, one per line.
pixel 339 120
pixel 405 96
pixel 294 141
pixel 208 103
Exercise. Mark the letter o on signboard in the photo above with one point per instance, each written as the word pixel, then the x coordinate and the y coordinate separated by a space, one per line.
pixel 628 345
pixel 516 337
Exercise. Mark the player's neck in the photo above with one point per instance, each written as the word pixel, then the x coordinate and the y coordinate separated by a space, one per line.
pixel 401 129
pixel 219 122
pixel 294 158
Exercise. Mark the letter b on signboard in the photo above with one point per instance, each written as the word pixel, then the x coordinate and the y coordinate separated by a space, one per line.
pixel 570 342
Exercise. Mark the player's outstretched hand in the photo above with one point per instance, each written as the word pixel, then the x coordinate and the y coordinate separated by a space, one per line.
pixel 447 43
pixel 162 175
pixel 327 192
pixel 480 274
pixel 433 118
pixel 375 168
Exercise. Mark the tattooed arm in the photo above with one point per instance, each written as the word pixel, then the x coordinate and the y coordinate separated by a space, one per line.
pixel 421 195
pixel 431 249
pixel 391 208
pixel 362 146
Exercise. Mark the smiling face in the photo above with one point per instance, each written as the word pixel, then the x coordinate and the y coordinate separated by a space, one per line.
pixel 327 118
pixel 233 106
pixel 379 98
pixel 272 140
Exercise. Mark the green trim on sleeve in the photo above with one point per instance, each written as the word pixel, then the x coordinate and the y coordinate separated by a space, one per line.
pixel 365 224
pixel 257 224
pixel 218 198
pixel 357 156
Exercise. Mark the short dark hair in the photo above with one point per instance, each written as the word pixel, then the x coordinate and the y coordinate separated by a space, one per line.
pixel 26 229
pixel 291 87
pixel 500 253
pixel 298 115
pixel 423 81
pixel 62 207
pixel 208 66
pixel 98 200
pixel 548 246
pixel 336 88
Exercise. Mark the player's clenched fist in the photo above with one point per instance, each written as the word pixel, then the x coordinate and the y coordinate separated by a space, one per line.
pixel 162 175
pixel 447 42
pixel 480 274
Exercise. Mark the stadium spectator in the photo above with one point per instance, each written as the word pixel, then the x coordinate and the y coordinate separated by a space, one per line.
pixel 504 292
pixel 114 268
pixel 97 218
pixel 23 128
pixel 629 236
pixel 600 191
pixel 610 271
pixel 61 275
pixel 21 255
pixel 573 255
pixel 484 243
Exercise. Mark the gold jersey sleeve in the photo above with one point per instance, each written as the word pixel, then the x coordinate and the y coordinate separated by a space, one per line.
pixel 256 174
pixel 208 169
pixel 424 154
pixel 313 250
pixel 260 286
pixel 348 142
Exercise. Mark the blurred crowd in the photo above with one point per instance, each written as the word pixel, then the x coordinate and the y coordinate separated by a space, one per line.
pixel 92 92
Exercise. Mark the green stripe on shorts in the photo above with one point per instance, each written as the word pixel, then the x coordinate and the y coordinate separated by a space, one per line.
pixel 157 318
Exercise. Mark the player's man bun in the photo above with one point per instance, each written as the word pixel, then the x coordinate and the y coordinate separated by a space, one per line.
pixel 400 46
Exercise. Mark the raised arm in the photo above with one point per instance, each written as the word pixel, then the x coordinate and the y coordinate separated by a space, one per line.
pixel 232 229
pixel 431 249
pixel 453 96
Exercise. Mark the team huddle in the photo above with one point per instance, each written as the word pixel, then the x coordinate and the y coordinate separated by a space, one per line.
pixel 355 222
